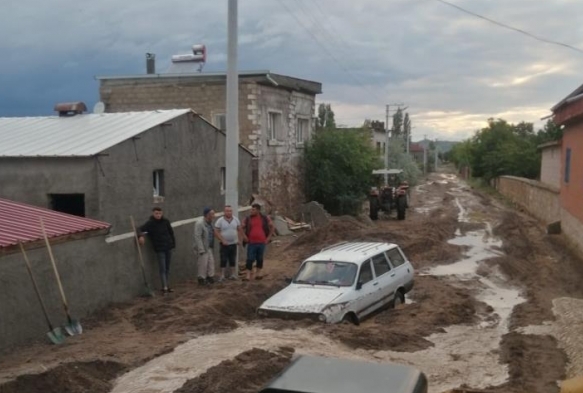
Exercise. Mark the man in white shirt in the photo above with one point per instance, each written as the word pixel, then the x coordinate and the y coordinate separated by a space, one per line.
pixel 229 232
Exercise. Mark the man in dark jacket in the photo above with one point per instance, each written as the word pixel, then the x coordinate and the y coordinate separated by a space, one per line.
pixel 161 236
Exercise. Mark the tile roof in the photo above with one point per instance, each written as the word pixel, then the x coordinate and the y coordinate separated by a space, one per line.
pixel 75 136
pixel 20 222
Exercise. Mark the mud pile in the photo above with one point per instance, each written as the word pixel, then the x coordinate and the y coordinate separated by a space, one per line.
pixel 403 329
pixel 246 373
pixel 91 377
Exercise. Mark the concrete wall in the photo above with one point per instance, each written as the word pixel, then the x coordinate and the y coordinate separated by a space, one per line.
pixel 572 227
pixel 541 200
pixel 279 163
pixel 189 151
pixel 31 180
pixel 95 273
pixel 572 191
pixel 551 166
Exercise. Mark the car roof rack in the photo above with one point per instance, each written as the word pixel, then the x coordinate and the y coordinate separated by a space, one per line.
pixel 332 246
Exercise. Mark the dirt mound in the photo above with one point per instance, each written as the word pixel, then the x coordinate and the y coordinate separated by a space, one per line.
pixel 528 263
pixel 91 377
pixel 338 229
pixel 404 328
pixel 246 373
pixel 535 364
pixel 215 313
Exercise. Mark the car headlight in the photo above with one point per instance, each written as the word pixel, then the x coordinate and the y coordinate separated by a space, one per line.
pixel 261 313
pixel 322 318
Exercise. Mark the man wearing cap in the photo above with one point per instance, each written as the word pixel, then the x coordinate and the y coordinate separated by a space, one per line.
pixel 204 241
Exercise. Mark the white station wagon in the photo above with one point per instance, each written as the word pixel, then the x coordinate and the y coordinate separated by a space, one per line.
pixel 344 282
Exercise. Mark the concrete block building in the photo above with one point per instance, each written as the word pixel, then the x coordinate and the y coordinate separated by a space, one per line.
pixel 276 118
pixel 109 166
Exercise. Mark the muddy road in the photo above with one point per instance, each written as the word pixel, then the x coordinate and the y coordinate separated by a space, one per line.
pixel 497 304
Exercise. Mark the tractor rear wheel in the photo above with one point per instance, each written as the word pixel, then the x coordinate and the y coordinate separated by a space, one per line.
pixel 374 208
pixel 401 207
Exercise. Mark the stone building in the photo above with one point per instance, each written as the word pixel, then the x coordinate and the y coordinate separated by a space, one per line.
pixel 276 118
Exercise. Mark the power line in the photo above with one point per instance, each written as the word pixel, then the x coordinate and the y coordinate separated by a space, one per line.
pixel 526 33
pixel 326 50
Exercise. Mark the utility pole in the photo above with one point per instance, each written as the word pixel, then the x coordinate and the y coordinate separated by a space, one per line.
pixel 232 139
pixel 436 149
pixel 424 155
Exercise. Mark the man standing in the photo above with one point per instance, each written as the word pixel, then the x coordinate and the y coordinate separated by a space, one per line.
pixel 258 232
pixel 161 235
pixel 204 241
pixel 229 232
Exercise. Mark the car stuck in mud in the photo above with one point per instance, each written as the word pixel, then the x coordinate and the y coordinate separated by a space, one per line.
pixel 344 283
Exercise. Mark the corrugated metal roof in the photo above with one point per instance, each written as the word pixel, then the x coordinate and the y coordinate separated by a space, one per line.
pixel 75 136
pixel 20 222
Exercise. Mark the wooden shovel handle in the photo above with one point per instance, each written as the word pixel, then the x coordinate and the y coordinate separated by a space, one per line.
pixel 42 225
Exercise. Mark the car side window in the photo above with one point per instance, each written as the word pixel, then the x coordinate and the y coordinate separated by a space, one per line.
pixel 365 273
pixel 395 257
pixel 381 264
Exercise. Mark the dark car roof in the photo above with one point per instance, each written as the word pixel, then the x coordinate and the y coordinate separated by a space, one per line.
pixel 311 374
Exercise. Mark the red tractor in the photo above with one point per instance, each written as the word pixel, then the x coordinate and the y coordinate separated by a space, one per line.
pixel 393 196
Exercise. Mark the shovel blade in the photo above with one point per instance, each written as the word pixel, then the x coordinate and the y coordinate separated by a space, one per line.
pixel 56 336
pixel 74 327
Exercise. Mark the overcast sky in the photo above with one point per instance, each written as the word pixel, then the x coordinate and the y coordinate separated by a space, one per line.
pixel 452 70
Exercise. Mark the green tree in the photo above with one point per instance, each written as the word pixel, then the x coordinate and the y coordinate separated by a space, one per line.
pixel 326 119
pixel 407 128
pixel 338 169
pixel 399 159
pixel 397 129
pixel 549 132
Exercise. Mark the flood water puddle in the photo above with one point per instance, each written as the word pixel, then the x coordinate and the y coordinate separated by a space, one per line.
pixel 462 354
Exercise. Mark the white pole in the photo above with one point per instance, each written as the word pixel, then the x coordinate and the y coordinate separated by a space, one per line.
pixel 232 143
pixel 232 139
pixel 387 146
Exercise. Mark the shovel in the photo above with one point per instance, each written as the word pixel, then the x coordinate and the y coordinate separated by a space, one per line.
pixel 149 292
pixel 55 334
pixel 73 326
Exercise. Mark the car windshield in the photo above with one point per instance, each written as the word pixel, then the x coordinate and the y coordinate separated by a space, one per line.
pixel 340 274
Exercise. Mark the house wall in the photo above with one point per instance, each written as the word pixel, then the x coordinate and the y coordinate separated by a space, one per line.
pixel 190 152
pixel 539 199
pixel 31 180
pixel 94 273
pixel 205 98
pixel 551 166
pixel 572 192
pixel 279 163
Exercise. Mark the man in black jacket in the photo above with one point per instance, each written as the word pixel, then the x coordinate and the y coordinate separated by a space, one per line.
pixel 161 236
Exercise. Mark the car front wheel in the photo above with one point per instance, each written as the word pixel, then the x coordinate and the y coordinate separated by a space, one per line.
pixel 399 299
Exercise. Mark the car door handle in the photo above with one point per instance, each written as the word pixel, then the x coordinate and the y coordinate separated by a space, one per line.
pixel 376 283
pixel 393 275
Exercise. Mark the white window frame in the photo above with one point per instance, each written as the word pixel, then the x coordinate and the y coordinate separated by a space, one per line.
pixel 158 183
pixel 273 132
pixel 216 121
pixel 305 133
pixel 223 180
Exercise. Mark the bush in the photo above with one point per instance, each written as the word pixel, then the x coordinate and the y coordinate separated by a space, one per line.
pixel 338 169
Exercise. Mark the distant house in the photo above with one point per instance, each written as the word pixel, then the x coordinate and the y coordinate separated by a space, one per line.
pixel 550 170
pixel 276 117
pixel 111 165
pixel 569 113
pixel 417 152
